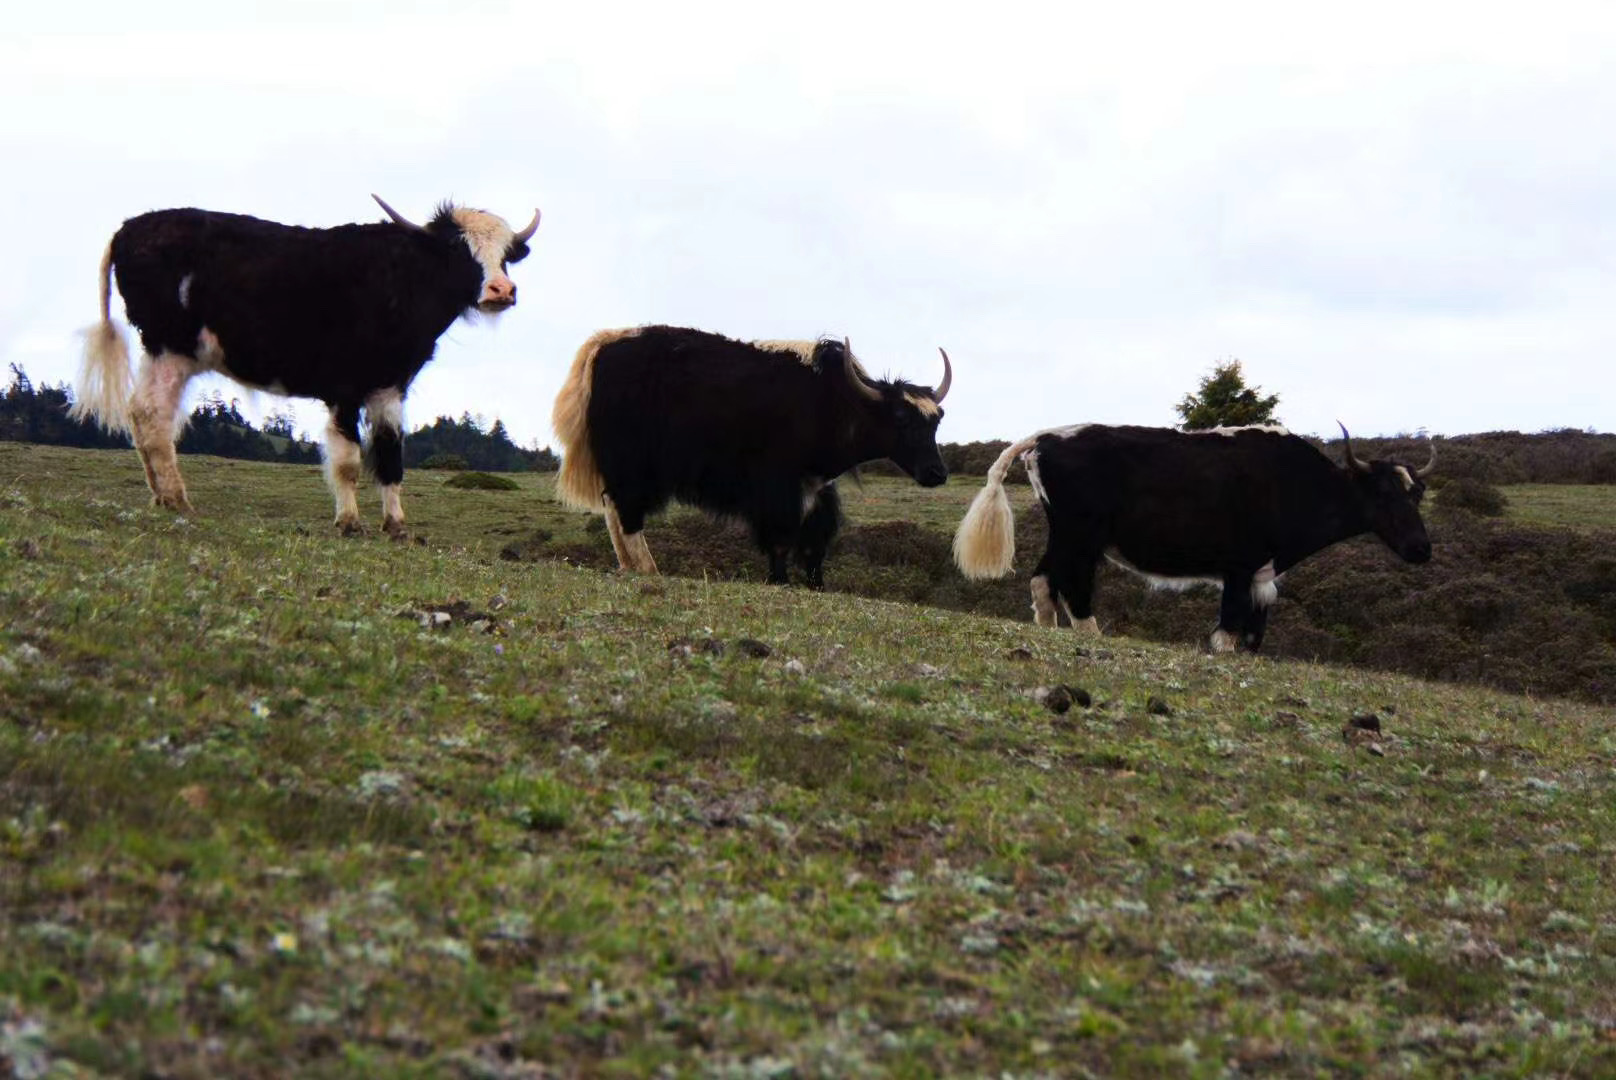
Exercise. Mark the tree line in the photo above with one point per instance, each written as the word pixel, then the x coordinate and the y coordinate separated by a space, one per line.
pixel 38 414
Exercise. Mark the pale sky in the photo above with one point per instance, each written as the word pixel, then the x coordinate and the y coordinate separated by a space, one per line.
pixel 1399 214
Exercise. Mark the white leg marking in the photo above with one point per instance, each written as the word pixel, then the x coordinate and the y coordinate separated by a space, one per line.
pixel 385 408
pixel 1043 607
pixel 156 415
pixel 1223 641
pixel 392 510
pixel 614 529
pixel 342 467
pixel 1265 586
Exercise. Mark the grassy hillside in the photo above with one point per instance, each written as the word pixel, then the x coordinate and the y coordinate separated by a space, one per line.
pixel 272 802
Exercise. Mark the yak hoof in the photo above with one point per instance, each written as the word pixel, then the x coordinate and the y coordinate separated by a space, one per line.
pixel 394 528
pixel 177 503
pixel 350 527
pixel 1223 641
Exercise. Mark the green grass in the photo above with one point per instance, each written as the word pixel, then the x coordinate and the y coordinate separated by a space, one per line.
pixel 259 816
pixel 1580 506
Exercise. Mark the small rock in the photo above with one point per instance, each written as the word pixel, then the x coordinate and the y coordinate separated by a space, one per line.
pixel 1057 699
pixel 497 601
pixel 1292 701
pixel 27 548
pixel 681 647
pixel 927 671
pixel 1080 697
pixel 796 667
pixel 754 648
pixel 1365 737
pixel 1156 706
pixel 1284 719
pixel 1366 722
pixel 439 619
pixel 1020 652
pixel 711 646
pixel 322 592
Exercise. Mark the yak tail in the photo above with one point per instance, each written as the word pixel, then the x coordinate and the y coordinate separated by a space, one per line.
pixel 579 483
pixel 985 545
pixel 105 381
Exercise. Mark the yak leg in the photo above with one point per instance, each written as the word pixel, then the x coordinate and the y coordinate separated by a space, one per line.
pixel 776 525
pixel 156 417
pixel 1069 581
pixel 1255 627
pixel 1043 600
pixel 343 459
pixel 817 531
pixel 1264 591
pixel 1234 613
pixel 384 410
pixel 633 553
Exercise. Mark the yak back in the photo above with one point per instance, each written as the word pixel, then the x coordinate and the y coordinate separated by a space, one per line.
pixel 1186 504
pixel 326 313
pixel 685 413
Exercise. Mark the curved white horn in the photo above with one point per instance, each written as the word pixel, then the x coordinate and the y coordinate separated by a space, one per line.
pixel 1425 471
pixel 853 376
pixel 395 215
pixel 1352 460
pixel 948 378
pixel 533 225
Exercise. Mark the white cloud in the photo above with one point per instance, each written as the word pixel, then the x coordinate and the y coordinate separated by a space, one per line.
pixel 1396 214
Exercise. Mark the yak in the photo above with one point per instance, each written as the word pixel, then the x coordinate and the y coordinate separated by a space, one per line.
pixel 347 315
pixel 1234 507
pixel 752 430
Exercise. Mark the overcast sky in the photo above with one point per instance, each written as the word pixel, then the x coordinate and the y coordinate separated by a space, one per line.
pixel 1402 214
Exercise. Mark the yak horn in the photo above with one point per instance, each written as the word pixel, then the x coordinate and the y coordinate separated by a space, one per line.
pixel 395 215
pixel 1352 460
pixel 1422 473
pixel 948 378
pixel 527 233
pixel 863 388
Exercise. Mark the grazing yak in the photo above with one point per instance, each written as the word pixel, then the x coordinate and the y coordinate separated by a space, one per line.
pixel 348 315
pixel 1235 507
pixel 757 431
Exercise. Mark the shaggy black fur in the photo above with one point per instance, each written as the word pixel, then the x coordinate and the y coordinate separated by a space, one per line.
pixel 1209 506
pixel 747 432
pixel 332 314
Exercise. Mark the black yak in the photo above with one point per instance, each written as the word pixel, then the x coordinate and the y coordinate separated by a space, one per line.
pixel 348 315
pixel 1234 507
pixel 758 431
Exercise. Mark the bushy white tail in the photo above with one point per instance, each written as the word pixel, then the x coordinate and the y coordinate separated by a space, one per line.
pixel 105 380
pixel 985 545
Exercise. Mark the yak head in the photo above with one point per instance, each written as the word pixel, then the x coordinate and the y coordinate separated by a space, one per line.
pixel 901 418
pixel 1389 495
pixel 491 240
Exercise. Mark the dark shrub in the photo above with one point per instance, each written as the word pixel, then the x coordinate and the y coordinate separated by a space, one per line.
pixel 444 461
pixel 481 481
pixel 1476 496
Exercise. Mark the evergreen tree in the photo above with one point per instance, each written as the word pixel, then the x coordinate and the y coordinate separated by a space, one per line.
pixel 1224 400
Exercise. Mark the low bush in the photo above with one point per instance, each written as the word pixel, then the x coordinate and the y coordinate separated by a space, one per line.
pixel 481 481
